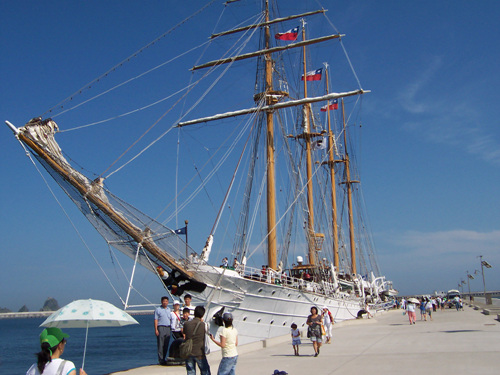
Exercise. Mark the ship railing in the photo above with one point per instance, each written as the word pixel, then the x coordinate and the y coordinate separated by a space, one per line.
pixel 269 276
pixel 282 278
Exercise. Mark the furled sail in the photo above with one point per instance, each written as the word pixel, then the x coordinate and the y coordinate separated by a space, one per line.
pixel 122 226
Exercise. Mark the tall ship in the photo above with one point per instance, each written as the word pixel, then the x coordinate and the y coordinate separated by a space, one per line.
pixel 271 185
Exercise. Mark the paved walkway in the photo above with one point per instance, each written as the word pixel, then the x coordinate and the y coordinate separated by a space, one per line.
pixel 464 342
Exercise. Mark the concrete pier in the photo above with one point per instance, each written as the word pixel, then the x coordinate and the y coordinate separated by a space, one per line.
pixel 454 342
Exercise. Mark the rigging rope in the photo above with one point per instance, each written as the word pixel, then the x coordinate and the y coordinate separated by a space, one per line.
pixel 88 85
pixel 343 48
pixel 212 173
pixel 214 228
pixel 28 154
pixel 162 116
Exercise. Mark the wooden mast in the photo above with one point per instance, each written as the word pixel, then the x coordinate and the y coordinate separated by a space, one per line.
pixel 307 139
pixel 348 183
pixel 271 189
pixel 331 163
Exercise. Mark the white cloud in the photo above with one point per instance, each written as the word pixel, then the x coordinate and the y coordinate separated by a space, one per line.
pixel 411 97
pixel 421 262
pixel 447 116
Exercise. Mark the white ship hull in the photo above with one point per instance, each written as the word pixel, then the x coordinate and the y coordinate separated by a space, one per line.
pixel 263 310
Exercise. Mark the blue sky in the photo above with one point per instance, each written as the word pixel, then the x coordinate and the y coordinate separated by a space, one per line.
pixel 430 147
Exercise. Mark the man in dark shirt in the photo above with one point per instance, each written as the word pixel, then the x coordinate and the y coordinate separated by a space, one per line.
pixel 198 352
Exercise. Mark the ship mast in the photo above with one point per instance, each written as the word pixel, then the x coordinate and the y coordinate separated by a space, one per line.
pixel 307 138
pixel 348 183
pixel 272 104
pixel 331 164
pixel 271 189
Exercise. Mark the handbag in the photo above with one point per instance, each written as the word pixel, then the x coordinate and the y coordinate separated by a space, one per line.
pixel 323 332
pixel 186 347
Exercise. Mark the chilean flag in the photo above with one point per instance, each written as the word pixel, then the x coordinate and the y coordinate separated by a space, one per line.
pixel 288 35
pixel 313 75
pixel 334 105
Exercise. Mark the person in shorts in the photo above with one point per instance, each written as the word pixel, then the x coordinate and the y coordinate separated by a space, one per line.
pixel 295 332
pixel 314 332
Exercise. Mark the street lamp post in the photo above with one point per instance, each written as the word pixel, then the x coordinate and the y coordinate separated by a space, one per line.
pixel 187 246
pixel 487 265
pixel 469 276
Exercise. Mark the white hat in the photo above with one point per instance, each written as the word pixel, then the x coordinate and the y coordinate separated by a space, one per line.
pixel 177 303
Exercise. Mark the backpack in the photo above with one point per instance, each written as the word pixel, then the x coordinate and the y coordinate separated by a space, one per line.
pixel 186 347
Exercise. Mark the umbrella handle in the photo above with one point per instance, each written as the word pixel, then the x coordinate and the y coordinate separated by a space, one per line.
pixel 85 348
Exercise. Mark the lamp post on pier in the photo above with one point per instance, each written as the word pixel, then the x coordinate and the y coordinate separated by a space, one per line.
pixel 469 276
pixel 487 265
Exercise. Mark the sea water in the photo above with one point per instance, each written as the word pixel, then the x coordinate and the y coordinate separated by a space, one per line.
pixel 108 349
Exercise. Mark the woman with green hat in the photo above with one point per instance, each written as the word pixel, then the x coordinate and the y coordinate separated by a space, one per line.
pixel 53 342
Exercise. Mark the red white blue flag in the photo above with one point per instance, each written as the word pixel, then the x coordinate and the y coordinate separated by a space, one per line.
pixel 333 105
pixel 313 75
pixel 288 35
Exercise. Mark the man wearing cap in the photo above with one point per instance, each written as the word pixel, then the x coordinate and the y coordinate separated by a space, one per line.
pixel 163 321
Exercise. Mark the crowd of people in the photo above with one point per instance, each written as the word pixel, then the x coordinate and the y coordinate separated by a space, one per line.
pixel 190 326
pixel 182 324
pixel 427 306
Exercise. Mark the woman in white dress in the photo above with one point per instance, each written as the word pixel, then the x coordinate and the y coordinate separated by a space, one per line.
pixel 328 324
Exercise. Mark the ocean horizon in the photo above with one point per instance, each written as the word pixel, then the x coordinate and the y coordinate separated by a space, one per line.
pixel 109 349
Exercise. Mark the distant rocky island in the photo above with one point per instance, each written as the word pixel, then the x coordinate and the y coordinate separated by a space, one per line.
pixel 50 305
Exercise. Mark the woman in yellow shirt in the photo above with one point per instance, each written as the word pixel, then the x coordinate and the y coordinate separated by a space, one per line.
pixel 228 342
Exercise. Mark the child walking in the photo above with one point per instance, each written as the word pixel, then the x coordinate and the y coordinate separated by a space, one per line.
pixel 295 338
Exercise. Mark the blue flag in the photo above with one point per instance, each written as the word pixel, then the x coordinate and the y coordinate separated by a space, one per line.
pixel 181 231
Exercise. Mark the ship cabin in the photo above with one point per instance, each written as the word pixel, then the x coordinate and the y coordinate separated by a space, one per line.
pixel 311 272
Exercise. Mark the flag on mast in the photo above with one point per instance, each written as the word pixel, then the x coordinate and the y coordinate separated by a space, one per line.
pixel 333 105
pixel 181 231
pixel 319 144
pixel 288 35
pixel 313 75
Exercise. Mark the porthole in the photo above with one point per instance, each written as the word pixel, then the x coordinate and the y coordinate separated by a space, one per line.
pixel 260 290
pixel 273 292
pixel 272 322
pixel 258 320
pixel 284 324
pixel 244 318
pixel 303 324
pixel 289 294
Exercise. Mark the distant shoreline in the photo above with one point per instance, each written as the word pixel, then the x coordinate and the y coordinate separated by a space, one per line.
pixel 44 314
